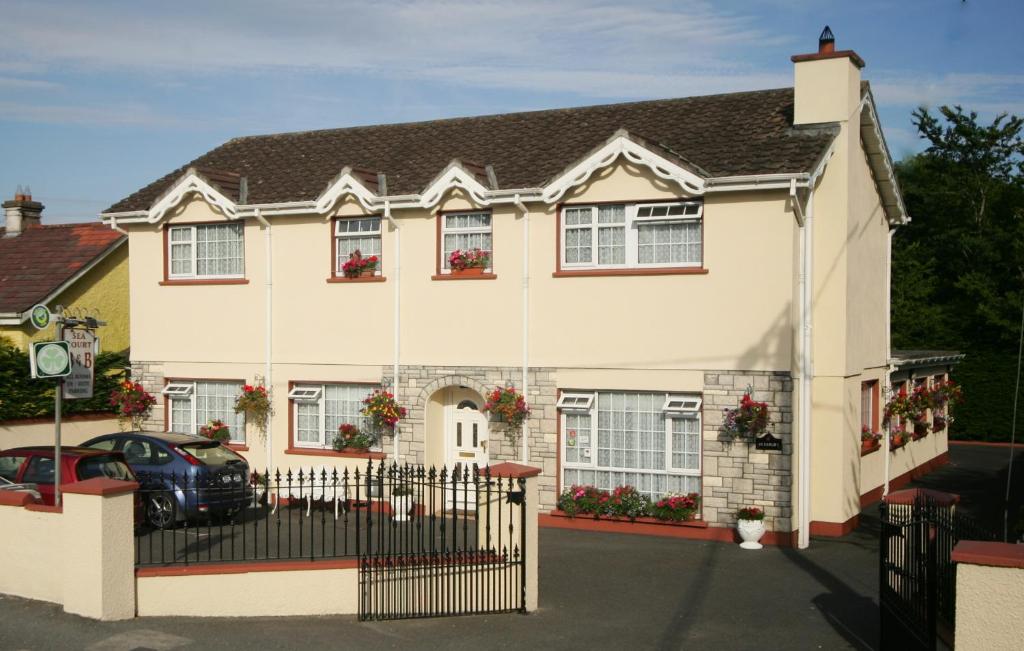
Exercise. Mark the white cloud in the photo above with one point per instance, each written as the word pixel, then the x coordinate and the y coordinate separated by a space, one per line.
pixel 114 115
pixel 982 92
pixel 28 84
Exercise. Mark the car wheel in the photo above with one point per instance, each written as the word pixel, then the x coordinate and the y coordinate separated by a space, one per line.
pixel 161 511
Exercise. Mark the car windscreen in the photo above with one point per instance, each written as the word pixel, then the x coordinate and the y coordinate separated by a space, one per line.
pixel 212 454
pixel 104 466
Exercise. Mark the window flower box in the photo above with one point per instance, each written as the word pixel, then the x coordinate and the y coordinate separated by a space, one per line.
pixel 468 271
pixel 626 522
pixel 869 441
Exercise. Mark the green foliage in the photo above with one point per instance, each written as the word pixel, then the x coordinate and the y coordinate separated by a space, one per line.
pixel 23 397
pixel 958 266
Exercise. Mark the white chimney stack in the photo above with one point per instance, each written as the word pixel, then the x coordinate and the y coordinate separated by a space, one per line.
pixel 21 212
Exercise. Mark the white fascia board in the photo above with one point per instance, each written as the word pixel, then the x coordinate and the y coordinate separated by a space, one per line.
pixel 756 182
pixel 14 318
pixel 190 183
pixel 633 152
pixel 881 163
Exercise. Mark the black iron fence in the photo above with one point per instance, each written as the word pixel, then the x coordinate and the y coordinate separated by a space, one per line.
pixel 917 587
pixel 380 510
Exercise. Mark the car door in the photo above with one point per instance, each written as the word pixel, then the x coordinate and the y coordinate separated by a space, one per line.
pixel 39 471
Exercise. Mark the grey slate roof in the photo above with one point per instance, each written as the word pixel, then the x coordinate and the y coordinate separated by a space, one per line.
pixel 726 135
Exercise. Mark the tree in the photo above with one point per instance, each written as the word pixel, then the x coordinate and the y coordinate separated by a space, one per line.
pixel 958 267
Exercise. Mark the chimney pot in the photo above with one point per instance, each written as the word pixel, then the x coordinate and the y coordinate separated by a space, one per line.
pixel 827 41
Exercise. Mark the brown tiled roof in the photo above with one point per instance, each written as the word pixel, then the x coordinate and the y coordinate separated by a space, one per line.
pixel 42 258
pixel 726 135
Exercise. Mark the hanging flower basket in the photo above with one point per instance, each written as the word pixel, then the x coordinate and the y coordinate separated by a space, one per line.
pixel 508 406
pixel 132 403
pixel 254 402
pixel 749 419
pixel 383 410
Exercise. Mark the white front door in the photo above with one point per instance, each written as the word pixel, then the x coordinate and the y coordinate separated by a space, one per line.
pixel 467 445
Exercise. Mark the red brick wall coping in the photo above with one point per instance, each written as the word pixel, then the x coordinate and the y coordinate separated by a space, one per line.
pixel 910 495
pixel 15 498
pixel 993 554
pixel 44 420
pixel 245 568
pixel 513 470
pixel 101 486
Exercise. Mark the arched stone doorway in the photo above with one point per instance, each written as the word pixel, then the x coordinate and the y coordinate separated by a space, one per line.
pixel 456 431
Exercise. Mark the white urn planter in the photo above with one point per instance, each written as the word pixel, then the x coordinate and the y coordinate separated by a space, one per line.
pixel 751 532
pixel 401 505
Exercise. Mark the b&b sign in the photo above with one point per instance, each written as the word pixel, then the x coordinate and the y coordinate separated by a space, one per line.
pixel 84 346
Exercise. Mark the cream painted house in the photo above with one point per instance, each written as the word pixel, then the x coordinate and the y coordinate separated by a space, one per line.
pixel 647 267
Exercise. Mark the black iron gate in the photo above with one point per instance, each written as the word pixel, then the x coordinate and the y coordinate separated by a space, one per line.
pixel 917 576
pixel 460 551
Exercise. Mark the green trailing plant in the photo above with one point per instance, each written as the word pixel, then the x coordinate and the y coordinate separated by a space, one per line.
pixel 254 402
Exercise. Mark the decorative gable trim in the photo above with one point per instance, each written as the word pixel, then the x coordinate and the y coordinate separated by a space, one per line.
pixel 346 183
pixel 455 176
pixel 191 182
pixel 622 144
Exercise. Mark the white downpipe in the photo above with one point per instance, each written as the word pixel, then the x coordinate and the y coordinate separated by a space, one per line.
pixel 525 456
pixel 398 312
pixel 806 373
pixel 884 390
pixel 269 332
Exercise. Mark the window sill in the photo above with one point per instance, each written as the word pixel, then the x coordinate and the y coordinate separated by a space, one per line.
pixel 652 271
pixel 206 281
pixel 357 279
pixel 237 447
pixel 485 276
pixel 318 452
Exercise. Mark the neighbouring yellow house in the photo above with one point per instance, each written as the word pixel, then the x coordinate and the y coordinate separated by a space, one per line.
pixel 646 265
pixel 82 267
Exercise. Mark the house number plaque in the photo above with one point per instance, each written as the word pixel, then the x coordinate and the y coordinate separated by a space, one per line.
pixel 768 442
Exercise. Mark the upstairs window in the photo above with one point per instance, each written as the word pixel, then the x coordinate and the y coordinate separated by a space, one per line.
pixel 619 236
pixel 351 235
pixel 464 232
pixel 206 251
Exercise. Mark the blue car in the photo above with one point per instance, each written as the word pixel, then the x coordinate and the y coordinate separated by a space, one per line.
pixel 182 476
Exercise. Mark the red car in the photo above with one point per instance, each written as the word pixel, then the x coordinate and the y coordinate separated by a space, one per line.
pixel 34 465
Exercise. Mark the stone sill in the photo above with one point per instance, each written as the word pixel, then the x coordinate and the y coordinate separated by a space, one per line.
pixel 693 524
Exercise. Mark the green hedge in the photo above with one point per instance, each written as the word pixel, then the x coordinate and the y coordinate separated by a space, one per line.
pixel 987 378
pixel 23 397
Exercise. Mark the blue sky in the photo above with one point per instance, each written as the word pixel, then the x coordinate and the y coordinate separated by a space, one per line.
pixel 97 99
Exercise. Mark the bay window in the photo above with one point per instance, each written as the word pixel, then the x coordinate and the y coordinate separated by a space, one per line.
pixel 194 403
pixel 318 410
pixel 618 236
pixel 651 441
pixel 206 251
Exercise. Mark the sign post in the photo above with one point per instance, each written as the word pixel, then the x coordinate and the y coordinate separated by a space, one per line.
pixel 73 356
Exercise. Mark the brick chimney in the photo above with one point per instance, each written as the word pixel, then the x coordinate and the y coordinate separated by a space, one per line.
pixel 826 83
pixel 21 212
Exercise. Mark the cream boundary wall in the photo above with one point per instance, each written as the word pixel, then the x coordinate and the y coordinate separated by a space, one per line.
pixel 82 556
pixel 31 545
pixel 252 594
pixel 73 431
pixel 989 607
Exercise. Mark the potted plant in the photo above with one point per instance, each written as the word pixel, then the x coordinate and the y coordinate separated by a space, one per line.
pixel 676 507
pixel 383 410
pixel 750 418
pixel 350 438
pixel 628 502
pixel 471 262
pixel 868 439
pixel 357 265
pixel 897 438
pixel 254 402
pixel 132 403
pixel 583 500
pixel 750 525
pixel 217 430
pixel 401 501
